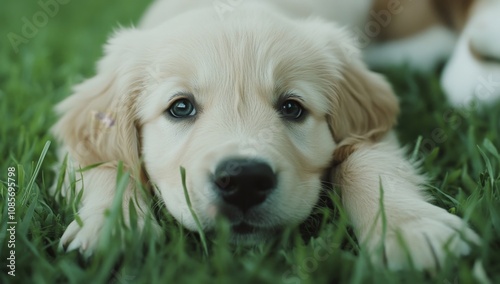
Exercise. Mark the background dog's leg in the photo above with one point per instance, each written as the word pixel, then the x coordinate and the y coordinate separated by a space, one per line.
pixel 383 194
pixel 422 51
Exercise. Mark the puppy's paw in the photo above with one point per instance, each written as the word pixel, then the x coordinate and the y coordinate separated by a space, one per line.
pixel 83 238
pixel 423 242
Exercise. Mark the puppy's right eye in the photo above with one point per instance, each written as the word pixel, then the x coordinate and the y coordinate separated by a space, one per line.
pixel 182 108
pixel 292 110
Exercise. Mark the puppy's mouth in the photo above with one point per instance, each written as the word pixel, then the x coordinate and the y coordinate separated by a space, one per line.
pixel 243 228
pixel 247 224
pixel 247 234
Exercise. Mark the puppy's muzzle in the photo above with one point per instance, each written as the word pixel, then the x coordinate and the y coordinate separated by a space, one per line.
pixel 244 183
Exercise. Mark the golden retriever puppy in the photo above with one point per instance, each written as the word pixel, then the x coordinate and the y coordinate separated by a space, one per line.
pixel 257 105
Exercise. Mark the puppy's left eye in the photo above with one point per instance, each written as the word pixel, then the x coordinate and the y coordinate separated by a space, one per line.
pixel 291 109
pixel 182 108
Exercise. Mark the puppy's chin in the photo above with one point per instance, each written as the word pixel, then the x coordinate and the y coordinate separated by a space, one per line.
pixel 247 228
pixel 245 234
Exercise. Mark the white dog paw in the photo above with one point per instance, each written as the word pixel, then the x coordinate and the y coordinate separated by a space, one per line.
pixel 424 242
pixel 83 238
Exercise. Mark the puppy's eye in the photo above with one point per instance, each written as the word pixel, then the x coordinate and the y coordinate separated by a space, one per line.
pixel 291 109
pixel 182 108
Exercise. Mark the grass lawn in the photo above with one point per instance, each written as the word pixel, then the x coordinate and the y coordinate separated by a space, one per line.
pixel 458 148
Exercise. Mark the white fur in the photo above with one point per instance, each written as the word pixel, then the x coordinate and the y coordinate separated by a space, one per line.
pixel 467 77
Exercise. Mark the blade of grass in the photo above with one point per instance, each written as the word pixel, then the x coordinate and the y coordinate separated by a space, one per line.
pixel 414 155
pixel 89 167
pixel 188 201
pixel 488 166
pixel 37 169
pixel 384 219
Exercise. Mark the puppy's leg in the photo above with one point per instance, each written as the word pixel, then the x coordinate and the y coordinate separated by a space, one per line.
pixel 407 225
pixel 99 191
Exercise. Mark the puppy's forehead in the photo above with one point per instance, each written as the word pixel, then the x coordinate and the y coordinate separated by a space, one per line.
pixel 249 55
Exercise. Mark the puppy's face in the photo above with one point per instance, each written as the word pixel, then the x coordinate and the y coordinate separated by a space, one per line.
pixel 244 111
pixel 254 107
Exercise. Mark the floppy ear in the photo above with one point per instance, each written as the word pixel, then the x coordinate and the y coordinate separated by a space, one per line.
pixel 364 106
pixel 98 121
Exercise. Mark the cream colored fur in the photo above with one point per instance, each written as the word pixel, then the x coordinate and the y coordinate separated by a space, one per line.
pixel 236 68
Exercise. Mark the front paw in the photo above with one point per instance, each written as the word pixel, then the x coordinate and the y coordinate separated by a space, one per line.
pixel 83 238
pixel 422 242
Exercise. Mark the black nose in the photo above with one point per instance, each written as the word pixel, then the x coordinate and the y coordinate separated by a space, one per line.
pixel 244 183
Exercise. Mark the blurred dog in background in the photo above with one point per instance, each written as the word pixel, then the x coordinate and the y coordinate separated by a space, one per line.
pixel 423 33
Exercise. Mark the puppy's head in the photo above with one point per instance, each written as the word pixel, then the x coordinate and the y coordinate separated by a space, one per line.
pixel 255 108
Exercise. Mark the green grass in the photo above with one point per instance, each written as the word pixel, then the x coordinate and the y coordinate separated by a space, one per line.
pixel 458 148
